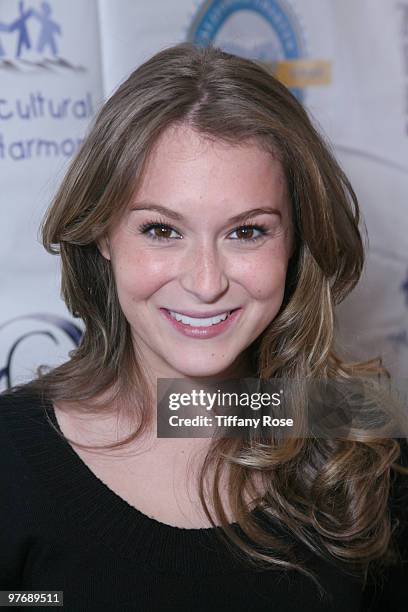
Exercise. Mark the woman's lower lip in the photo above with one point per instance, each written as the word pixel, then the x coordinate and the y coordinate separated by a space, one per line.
pixel 202 332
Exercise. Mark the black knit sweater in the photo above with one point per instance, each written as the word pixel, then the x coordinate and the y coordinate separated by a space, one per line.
pixel 63 529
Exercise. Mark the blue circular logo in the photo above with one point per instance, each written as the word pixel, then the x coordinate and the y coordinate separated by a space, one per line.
pixel 265 30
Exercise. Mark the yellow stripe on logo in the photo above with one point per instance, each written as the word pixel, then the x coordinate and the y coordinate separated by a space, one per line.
pixel 301 72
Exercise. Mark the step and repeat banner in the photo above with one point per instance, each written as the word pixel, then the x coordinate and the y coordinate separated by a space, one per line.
pixel 346 61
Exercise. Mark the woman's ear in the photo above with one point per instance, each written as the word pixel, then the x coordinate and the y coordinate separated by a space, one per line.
pixel 104 247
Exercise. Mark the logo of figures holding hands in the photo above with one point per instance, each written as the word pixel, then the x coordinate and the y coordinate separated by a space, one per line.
pixel 49 29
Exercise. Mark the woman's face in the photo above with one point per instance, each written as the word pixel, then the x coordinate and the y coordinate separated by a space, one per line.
pixel 184 253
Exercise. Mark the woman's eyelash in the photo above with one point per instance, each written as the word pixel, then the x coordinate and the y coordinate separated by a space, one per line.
pixel 260 227
pixel 145 228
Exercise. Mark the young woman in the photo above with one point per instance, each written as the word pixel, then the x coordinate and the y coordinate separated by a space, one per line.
pixel 205 232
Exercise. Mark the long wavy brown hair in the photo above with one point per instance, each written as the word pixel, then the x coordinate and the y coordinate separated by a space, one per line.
pixel 330 494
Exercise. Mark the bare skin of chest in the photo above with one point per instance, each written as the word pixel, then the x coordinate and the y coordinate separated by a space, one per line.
pixel 158 477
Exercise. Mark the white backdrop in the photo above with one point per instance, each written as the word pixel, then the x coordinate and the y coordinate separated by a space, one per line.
pixel 346 61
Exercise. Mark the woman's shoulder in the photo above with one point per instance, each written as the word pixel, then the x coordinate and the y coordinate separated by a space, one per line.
pixel 20 424
pixel 18 400
pixel 23 412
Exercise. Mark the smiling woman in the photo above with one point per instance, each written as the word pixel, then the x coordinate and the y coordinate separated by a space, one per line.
pixel 205 232
pixel 213 264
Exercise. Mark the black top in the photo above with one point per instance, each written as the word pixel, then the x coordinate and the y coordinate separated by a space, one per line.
pixel 63 529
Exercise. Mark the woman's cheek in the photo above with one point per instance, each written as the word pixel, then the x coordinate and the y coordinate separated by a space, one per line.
pixel 140 276
pixel 263 277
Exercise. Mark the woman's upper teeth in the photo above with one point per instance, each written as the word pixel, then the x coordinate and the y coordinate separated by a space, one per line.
pixel 199 322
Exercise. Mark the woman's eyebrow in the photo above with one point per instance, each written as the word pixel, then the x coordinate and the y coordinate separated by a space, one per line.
pixel 178 217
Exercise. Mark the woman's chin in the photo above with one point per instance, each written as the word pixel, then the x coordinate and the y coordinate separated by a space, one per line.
pixel 199 370
pixel 205 370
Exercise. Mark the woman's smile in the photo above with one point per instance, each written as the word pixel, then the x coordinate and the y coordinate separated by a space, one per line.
pixel 201 327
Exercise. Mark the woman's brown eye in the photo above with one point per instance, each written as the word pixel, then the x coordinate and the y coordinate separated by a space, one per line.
pixel 162 232
pixel 245 232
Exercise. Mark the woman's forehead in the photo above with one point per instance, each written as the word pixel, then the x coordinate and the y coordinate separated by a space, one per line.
pixel 187 143
pixel 187 166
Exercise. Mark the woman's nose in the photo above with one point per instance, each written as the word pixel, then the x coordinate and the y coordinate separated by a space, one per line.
pixel 203 273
